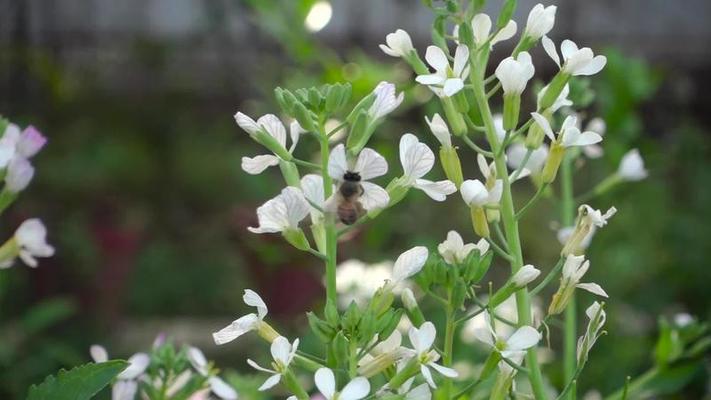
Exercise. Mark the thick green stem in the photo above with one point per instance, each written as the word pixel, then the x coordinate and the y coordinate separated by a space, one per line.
pixel 567 217
pixel 448 345
pixel 508 217
pixel 329 225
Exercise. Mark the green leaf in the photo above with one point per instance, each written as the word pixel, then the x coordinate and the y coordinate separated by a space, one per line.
pixel 80 383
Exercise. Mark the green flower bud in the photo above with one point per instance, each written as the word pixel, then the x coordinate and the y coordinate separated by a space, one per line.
pixel 454 118
pixel 340 348
pixel 451 165
pixel 320 328
pixel 555 157
pixel 554 88
pixel 512 108
pixel 304 117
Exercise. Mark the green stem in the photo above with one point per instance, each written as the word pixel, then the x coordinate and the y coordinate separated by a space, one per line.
pixel 552 274
pixel 508 217
pixel 569 339
pixel 448 344
pixel 531 202
pixel 329 224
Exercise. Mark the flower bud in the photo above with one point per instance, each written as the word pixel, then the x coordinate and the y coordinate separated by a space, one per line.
pixel 555 157
pixel 454 117
pixel 451 165
pixel 553 90
pixel 479 221
pixel 411 308
pixel 31 142
pixel 632 167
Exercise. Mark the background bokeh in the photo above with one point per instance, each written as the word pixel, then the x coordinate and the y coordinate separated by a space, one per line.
pixel 142 191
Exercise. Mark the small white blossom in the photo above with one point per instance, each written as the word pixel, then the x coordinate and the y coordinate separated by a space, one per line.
pixel 282 213
pixel 475 193
pixel 271 124
pixel 597 317
pixel 440 130
pixel 244 324
pixel 217 385
pixel 527 274
pixel 595 217
pixel 569 134
pixel 514 73
pixel 576 62
pixel 283 353
pixel 137 363
pixel 446 81
pixel 481 29
pixel 358 281
pixel 598 126
pixel 417 160
pixel 385 100
pixel 398 44
pixel 422 340
pixel 632 167
pixel 574 269
pixel 31 240
pixel 517 343
pixel 540 21
pixel 325 381
pixel 454 251
pixel 312 187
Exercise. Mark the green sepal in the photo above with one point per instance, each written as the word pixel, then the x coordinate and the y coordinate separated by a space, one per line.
pixel 507 12
pixel 330 311
pixel 323 331
pixel 340 347
pixel 351 317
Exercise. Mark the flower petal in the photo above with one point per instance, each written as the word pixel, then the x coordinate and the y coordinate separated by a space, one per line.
pixel 544 124
pixel 437 191
pixel 274 127
pixel 256 165
pixel 374 197
pixel 593 67
pixel 137 365
pixel 325 382
pixel 452 86
pixel 436 58
pixel 236 329
pixel 98 353
pixel 409 263
pixel 428 376
pixel 370 164
pixel 448 372
pixel 550 49
pixel 337 163
pixel 356 389
pixel 222 389
pixel 593 288
pixel 270 382
pixel 524 338
pixel 417 159
pixel 281 350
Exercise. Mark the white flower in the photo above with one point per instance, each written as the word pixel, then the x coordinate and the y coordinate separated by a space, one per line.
pixel 632 167
pixel 419 392
pixel 593 217
pixel 217 385
pixel 574 269
pixel 446 81
pixel 576 61
pixel 597 316
pixel 440 130
pixel 244 324
pixel 137 363
pixel 514 73
pixel 569 134
pixel 527 274
pixel 521 340
pixel 417 159
pixel 385 100
pixel 19 174
pixel 399 44
pixel 368 165
pixel 31 240
pixel 422 340
pixel 282 213
pixel 358 281
pixel 124 390
pixel 561 101
pixel 409 263
pixel 271 124
pixel 283 353
pixel 356 389
pixel 475 193
pixel 30 142
pixel 481 29
pixel 454 251
pixel 540 21
pixel 8 144
pixel 516 153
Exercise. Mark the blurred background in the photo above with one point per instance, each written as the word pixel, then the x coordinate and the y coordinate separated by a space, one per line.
pixel 142 191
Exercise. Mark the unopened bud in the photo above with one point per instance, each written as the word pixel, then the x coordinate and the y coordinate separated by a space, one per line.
pixel 525 275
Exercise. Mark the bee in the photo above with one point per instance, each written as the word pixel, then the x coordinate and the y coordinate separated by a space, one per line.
pixel 349 208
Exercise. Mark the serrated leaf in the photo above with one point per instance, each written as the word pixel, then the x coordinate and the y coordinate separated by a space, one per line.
pixel 80 383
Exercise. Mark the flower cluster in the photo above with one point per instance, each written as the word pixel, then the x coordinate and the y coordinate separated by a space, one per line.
pixel 17 147
pixel 362 324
